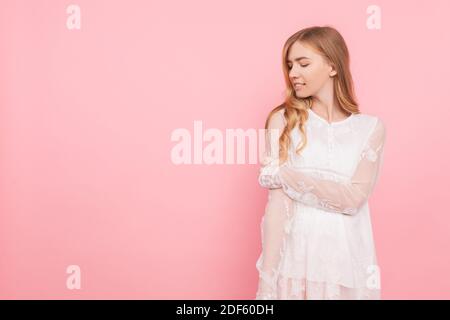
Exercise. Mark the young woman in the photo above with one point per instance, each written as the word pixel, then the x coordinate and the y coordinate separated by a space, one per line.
pixel 322 160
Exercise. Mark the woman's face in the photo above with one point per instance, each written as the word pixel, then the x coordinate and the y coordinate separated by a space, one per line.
pixel 308 71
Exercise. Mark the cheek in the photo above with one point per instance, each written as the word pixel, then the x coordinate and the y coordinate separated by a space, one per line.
pixel 313 74
pixel 315 77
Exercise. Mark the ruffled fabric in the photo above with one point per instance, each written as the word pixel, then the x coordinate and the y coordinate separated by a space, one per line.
pixel 316 263
pixel 302 289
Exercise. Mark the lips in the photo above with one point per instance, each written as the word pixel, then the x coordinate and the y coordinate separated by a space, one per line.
pixel 298 85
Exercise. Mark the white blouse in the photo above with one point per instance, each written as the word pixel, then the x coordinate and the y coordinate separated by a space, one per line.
pixel 316 232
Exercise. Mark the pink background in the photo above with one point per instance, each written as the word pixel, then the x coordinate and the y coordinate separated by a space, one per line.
pixel 86 117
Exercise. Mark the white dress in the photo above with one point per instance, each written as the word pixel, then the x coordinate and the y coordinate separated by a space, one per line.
pixel 316 231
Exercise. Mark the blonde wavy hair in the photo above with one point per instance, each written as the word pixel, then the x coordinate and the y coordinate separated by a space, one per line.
pixel 329 43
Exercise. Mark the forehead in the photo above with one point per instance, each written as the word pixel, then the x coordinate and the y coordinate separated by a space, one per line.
pixel 298 50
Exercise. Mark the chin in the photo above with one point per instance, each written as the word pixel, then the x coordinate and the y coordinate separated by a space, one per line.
pixel 301 95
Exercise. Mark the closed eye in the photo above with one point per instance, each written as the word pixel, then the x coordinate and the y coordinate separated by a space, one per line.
pixel 289 67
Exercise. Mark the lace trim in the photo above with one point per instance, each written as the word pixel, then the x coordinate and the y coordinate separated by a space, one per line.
pixel 289 288
pixel 268 173
pixel 310 199
pixel 369 153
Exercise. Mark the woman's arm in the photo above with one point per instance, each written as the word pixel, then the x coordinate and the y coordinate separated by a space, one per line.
pixel 268 177
pixel 276 219
pixel 324 193
pixel 274 228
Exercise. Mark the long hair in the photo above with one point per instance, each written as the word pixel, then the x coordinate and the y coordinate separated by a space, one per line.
pixel 329 43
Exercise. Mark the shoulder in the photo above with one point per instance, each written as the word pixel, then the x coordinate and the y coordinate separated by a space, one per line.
pixel 280 113
pixel 277 120
pixel 371 123
pixel 370 118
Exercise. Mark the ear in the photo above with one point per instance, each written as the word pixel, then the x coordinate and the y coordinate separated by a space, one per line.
pixel 333 71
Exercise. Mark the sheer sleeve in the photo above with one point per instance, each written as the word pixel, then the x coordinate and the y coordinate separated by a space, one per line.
pixel 277 215
pixel 268 173
pixel 345 197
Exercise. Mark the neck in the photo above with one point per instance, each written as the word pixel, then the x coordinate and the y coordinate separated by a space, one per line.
pixel 329 110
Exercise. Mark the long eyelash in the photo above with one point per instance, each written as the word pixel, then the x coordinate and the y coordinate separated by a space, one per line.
pixel 289 67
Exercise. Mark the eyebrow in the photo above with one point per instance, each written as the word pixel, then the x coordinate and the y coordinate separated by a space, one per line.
pixel 298 59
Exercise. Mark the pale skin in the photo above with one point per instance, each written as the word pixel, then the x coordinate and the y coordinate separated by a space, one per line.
pixel 308 67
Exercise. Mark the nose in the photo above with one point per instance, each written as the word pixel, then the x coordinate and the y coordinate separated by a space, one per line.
pixel 293 76
pixel 294 73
